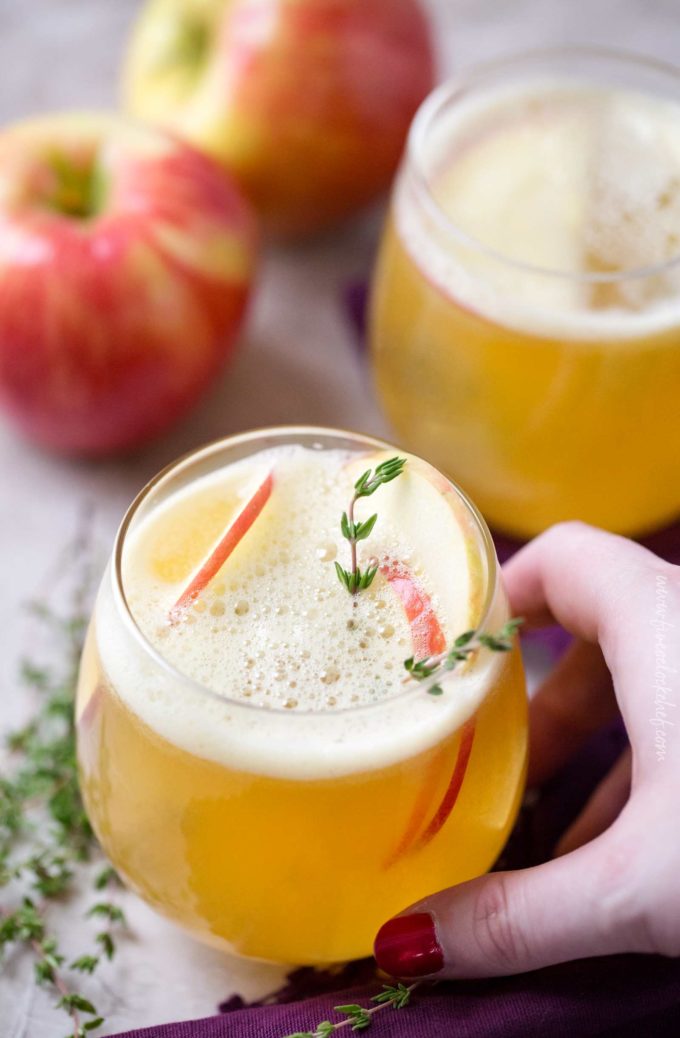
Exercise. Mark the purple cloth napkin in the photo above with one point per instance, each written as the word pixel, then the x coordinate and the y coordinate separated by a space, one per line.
pixel 628 997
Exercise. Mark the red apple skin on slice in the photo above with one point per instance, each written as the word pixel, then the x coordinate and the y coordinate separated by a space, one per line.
pixel 426 634
pixel 428 640
pixel 467 735
pixel 419 810
pixel 91 708
pixel 90 689
pixel 238 529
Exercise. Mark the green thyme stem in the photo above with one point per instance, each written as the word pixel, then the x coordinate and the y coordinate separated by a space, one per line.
pixel 358 1017
pixel 464 646
pixel 45 836
pixel 44 956
pixel 353 532
pixel 28 924
pixel 353 540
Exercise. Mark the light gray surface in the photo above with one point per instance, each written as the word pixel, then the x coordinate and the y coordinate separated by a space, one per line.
pixel 296 364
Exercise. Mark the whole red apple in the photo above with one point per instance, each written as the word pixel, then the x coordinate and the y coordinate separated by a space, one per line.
pixel 126 259
pixel 307 102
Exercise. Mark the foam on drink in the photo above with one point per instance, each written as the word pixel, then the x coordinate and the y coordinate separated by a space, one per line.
pixel 572 179
pixel 277 654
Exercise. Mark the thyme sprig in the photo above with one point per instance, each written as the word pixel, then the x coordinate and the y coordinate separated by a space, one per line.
pixel 45 837
pixel 463 647
pixel 354 531
pixel 358 1018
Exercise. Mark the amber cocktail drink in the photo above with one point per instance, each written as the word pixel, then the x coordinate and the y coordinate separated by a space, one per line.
pixel 254 757
pixel 526 304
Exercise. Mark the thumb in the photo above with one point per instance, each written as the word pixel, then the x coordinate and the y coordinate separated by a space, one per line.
pixel 574 907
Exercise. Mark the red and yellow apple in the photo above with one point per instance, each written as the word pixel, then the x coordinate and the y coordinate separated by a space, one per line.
pixel 306 102
pixel 126 259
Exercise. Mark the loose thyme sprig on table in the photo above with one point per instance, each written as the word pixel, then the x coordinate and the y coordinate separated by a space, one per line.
pixel 353 532
pixel 463 647
pixel 45 837
pixel 393 996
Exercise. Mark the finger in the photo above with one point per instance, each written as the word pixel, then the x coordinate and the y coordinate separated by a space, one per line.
pixel 575 700
pixel 603 808
pixel 575 575
pixel 609 590
pixel 510 922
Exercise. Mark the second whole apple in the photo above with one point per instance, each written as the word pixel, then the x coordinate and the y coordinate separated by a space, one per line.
pixel 306 102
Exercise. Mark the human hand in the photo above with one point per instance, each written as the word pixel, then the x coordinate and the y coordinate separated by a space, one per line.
pixel 613 885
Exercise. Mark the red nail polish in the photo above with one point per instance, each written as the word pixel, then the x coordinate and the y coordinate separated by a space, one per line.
pixel 408 947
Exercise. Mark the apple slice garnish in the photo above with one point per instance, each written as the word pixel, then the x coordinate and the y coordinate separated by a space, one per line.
pixel 90 682
pixel 87 713
pixel 426 513
pixel 428 640
pixel 427 636
pixel 448 801
pixel 420 808
pixel 233 536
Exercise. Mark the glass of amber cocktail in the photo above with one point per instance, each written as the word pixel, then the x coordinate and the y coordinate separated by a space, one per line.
pixel 254 757
pixel 526 303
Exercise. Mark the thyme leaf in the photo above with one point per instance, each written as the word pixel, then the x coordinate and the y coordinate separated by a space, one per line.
pixel 45 837
pixel 354 531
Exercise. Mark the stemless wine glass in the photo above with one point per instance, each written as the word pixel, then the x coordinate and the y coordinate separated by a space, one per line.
pixel 292 835
pixel 525 318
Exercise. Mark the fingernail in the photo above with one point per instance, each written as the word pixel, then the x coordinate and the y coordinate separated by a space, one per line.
pixel 407 946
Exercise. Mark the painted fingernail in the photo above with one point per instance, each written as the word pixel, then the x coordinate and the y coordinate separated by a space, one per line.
pixel 407 946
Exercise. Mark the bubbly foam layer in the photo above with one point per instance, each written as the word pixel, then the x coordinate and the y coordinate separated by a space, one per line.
pixel 276 627
pixel 303 680
pixel 573 179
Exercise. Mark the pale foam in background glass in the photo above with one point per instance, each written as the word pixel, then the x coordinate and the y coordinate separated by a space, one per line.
pixel 526 314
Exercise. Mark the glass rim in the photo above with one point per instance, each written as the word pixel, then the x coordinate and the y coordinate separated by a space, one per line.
pixel 431 107
pixel 214 447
